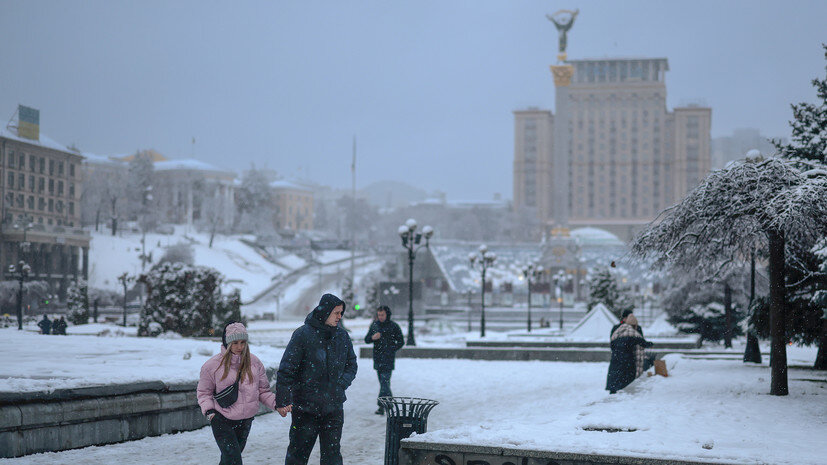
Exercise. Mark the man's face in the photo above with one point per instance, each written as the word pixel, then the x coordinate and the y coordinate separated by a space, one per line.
pixel 335 316
pixel 381 315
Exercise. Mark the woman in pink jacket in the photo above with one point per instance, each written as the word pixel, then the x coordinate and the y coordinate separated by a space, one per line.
pixel 231 425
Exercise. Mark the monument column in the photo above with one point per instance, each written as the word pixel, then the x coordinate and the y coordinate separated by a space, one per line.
pixel 561 153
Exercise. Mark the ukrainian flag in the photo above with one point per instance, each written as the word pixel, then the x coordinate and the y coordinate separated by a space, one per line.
pixel 28 122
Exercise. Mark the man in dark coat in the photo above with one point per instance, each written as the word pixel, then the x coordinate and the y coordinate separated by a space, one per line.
pixel 622 319
pixel 317 367
pixel 386 337
pixel 59 326
pixel 45 324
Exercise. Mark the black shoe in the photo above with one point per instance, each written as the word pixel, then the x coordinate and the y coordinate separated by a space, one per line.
pixel 379 411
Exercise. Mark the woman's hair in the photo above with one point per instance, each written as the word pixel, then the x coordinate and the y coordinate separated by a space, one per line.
pixel 246 366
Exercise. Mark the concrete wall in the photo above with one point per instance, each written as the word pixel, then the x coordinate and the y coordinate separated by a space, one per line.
pixel 72 418
pixel 412 452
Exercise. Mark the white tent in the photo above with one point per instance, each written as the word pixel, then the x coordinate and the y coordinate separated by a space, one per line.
pixel 660 327
pixel 597 324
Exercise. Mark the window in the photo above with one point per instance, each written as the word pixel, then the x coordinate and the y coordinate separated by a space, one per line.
pixel 72 170
pixel 51 205
pixel 11 159
pixel 51 186
pixel 20 200
pixel 60 188
pixel 72 189
pixel 60 168
pixel 11 180
pixel 42 165
pixel 71 208
pixel 31 183
pixel 30 202
pixel 41 203
pixel 51 167
pixel 41 185
pixel 22 162
pixel 21 181
pixel 32 163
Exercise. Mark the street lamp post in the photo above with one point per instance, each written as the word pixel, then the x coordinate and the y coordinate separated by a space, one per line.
pixel 532 270
pixel 25 223
pixel 559 279
pixel 485 259
pixel 125 279
pixel 22 269
pixel 411 241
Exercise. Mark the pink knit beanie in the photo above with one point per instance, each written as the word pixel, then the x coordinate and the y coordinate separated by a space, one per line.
pixel 235 332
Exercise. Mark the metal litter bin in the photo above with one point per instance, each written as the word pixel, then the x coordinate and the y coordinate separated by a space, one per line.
pixel 405 416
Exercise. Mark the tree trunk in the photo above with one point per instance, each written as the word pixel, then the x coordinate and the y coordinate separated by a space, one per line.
pixel 821 358
pixel 728 315
pixel 778 352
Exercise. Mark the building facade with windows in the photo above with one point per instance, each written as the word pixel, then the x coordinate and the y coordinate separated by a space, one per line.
pixel 292 206
pixel 41 186
pixel 612 155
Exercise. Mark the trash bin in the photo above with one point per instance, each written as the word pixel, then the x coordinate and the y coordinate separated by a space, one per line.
pixel 406 415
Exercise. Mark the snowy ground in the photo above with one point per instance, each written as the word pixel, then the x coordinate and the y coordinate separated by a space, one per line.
pixel 711 407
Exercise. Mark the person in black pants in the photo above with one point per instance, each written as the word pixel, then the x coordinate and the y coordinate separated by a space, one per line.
pixel 386 337
pixel 317 367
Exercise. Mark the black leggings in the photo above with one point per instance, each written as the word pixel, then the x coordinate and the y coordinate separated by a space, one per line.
pixel 231 437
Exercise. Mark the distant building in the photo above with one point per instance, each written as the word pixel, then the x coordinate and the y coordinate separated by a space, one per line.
pixel 729 148
pixel 292 206
pixel 611 155
pixel 41 187
pixel 189 191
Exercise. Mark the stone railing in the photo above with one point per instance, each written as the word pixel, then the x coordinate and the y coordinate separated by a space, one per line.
pixel 413 452
pixel 63 419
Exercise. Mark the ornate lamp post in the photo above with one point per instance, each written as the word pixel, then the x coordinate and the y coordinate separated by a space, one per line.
pixel 483 259
pixel 411 241
pixel 559 279
pixel 25 223
pixel 22 270
pixel 125 279
pixel 532 270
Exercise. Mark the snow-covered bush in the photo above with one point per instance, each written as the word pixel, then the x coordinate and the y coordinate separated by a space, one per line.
pixel 709 321
pixel 77 302
pixel 604 289
pixel 186 300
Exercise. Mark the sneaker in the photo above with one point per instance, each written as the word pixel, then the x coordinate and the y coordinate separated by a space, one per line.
pixel 379 411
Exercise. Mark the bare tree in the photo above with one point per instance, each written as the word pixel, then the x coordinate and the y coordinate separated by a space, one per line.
pixel 764 205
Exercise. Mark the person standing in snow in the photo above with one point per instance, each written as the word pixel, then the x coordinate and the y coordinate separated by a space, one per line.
pixel 59 326
pixel 386 337
pixel 231 425
pixel 628 356
pixel 317 367
pixel 45 324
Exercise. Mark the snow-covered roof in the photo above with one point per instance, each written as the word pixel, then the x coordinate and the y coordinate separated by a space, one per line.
pixel 44 140
pixel 187 164
pixel 284 184
pixel 595 236
pixel 597 324
pixel 100 159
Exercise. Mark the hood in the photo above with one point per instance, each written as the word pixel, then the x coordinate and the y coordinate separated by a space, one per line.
pixel 319 315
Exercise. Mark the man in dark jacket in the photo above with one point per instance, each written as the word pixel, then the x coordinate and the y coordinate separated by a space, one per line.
pixel 45 325
pixel 386 337
pixel 316 368
pixel 622 320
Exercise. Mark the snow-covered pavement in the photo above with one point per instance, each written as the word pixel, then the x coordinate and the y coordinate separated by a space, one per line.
pixel 708 408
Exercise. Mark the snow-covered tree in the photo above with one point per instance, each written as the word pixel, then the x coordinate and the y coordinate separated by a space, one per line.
pixel 707 320
pixel 604 289
pixel 77 302
pixel 184 299
pixel 140 179
pixel 254 203
pixel 755 205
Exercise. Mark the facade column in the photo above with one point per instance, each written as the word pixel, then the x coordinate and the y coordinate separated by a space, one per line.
pixel 561 150
pixel 85 263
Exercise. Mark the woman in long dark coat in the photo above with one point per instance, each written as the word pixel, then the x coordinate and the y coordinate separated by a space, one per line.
pixel 627 355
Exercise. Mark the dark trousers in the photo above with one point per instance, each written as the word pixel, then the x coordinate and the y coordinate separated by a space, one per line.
pixel 384 384
pixel 306 427
pixel 231 437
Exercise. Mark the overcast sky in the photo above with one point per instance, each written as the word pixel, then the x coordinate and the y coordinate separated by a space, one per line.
pixel 427 87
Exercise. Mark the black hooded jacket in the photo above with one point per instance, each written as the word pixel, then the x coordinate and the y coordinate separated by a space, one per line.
pixel 318 363
pixel 384 348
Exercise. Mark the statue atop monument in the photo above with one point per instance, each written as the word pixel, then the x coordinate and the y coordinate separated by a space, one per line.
pixel 563 20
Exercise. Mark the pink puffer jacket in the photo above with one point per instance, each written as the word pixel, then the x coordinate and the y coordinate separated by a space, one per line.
pixel 249 393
